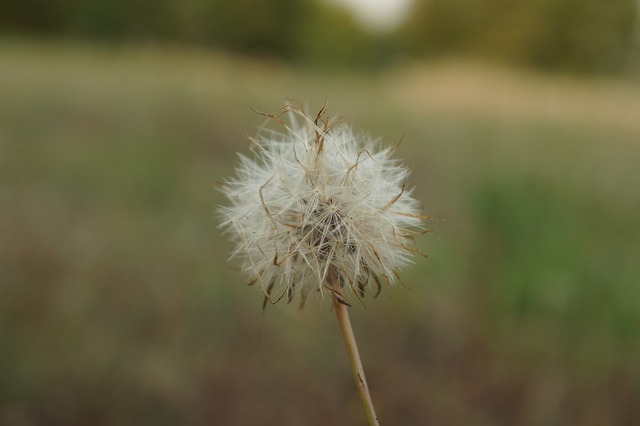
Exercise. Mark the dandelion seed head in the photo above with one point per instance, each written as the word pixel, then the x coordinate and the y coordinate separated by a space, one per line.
pixel 318 208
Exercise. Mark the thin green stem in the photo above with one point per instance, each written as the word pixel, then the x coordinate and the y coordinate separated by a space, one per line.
pixel 356 364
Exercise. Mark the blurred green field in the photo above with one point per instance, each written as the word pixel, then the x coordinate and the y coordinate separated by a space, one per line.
pixel 117 305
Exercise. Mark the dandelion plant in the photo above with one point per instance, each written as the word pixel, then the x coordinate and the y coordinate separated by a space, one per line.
pixel 319 210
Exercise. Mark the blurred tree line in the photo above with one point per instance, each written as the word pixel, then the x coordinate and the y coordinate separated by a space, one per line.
pixel 577 35
pixel 307 31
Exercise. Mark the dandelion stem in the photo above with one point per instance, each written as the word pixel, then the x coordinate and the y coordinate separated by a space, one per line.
pixel 356 364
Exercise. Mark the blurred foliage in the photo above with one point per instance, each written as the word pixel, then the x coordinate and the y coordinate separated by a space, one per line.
pixel 583 36
pixel 309 31
pixel 577 35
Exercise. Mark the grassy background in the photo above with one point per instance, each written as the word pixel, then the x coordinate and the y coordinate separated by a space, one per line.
pixel 117 305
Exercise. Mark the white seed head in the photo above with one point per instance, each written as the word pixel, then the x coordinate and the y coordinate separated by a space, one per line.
pixel 320 209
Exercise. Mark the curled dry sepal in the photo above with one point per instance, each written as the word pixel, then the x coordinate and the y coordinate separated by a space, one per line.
pixel 320 210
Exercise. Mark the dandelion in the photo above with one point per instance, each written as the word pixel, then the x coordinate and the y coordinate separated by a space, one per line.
pixel 321 210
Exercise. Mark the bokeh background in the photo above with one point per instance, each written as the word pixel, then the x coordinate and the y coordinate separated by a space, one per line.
pixel 521 121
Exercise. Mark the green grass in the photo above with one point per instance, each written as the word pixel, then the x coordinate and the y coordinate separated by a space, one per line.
pixel 117 305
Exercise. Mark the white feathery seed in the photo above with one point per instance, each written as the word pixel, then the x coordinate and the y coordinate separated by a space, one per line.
pixel 319 208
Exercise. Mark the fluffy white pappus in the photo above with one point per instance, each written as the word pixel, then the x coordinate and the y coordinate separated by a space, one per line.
pixel 318 208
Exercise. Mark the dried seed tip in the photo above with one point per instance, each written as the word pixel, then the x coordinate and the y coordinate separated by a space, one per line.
pixel 320 208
